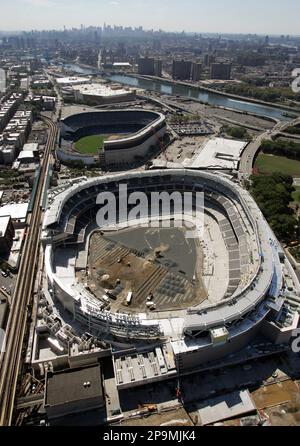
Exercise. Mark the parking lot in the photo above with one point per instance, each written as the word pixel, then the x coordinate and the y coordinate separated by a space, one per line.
pixel 7 285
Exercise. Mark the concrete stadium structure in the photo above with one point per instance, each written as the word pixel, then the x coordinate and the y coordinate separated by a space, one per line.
pixel 253 292
pixel 137 131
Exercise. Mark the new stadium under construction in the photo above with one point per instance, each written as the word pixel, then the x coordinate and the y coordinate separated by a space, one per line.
pixel 154 293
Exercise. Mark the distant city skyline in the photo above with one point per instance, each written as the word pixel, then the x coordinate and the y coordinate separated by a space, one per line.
pixel 272 17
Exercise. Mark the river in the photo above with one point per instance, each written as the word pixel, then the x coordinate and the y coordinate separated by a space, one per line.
pixel 192 92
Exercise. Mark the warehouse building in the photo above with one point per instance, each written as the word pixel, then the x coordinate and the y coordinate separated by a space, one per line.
pixel 73 391
pixel 102 94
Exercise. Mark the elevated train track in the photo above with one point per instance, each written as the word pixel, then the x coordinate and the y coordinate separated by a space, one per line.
pixel 20 312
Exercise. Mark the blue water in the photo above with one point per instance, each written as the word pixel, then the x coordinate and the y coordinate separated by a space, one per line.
pixel 203 96
pixel 192 92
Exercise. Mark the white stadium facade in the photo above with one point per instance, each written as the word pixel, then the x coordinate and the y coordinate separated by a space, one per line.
pixel 251 287
pixel 136 130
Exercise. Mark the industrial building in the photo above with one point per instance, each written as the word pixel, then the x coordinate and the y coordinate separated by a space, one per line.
pixel 71 81
pixel 103 94
pixel 218 154
pixel 73 391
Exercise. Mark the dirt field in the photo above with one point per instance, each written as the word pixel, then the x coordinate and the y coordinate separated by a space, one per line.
pixel 183 148
pixel 284 415
pixel 177 417
pixel 276 394
pixel 117 270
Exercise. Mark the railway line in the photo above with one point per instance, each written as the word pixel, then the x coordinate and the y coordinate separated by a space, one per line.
pixel 20 309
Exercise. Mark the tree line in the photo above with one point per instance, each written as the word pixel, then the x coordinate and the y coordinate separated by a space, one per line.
pixel 273 195
pixel 268 94
pixel 280 147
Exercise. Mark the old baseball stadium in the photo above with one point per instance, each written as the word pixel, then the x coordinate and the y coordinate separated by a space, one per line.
pixel 110 138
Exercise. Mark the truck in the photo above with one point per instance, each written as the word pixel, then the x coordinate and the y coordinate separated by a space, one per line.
pixel 129 298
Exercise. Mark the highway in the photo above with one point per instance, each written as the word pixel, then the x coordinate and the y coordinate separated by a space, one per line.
pixel 19 313
pixel 248 157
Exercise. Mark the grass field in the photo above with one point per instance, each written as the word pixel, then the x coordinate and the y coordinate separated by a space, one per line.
pixel 90 144
pixel 296 195
pixel 267 164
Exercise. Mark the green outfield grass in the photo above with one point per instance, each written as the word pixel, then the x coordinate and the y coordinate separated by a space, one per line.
pixel 267 164
pixel 90 144
pixel 296 195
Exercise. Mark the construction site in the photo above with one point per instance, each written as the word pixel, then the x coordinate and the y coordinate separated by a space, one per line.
pixel 160 274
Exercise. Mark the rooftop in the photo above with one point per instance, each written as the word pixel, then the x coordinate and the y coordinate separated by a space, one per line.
pixel 225 407
pixel 219 153
pixel 122 64
pixel 31 147
pixel 73 385
pixel 98 89
pixel 17 211
pixel 26 154
pixel 4 222
pixel 72 80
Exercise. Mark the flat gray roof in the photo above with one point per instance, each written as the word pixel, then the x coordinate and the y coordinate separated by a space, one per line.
pixel 228 406
pixel 68 386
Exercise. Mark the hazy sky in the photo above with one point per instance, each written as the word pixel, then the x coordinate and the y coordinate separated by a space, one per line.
pixel 224 16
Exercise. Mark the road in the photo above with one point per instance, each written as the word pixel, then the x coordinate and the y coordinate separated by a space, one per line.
pixel 60 101
pixel 248 157
pixel 20 308
pixel 292 262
